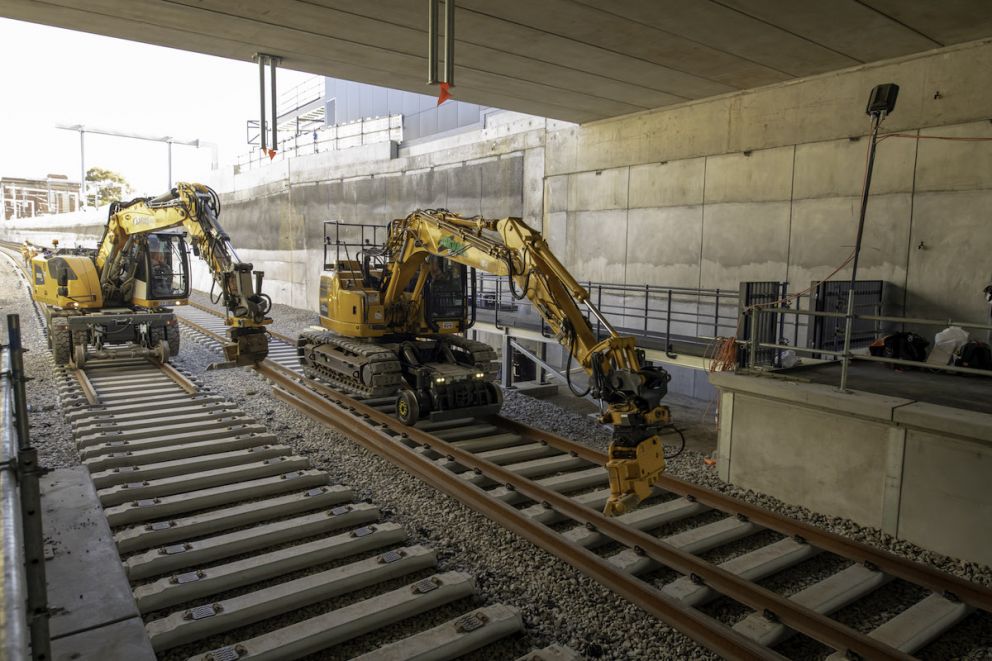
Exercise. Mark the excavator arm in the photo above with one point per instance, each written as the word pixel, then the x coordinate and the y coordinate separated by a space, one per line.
pixel 630 388
pixel 194 208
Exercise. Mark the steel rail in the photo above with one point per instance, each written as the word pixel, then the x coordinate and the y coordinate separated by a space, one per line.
pixel 804 620
pixel 375 437
pixel 809 622
pixel 970 593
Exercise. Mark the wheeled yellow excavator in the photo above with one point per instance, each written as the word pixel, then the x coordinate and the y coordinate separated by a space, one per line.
pixel 112 301
pixel 391 312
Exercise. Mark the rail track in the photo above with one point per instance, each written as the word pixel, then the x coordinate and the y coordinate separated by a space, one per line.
pixel 235 547
pixel 549 490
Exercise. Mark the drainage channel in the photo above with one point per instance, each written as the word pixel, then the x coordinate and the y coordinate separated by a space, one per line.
pixel 550 490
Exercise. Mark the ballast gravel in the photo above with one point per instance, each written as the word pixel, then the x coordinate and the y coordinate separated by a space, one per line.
pixel 49 431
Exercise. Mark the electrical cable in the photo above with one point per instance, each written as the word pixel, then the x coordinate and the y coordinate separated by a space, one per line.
pixel 681 449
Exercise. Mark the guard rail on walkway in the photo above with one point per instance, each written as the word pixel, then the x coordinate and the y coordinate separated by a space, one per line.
pixel 24 609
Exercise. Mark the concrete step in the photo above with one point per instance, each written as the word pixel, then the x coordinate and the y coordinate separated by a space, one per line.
pixel 696 540
pixel 577 481
pixel 195 481
pixel 199 583
pixel 824 597
pixel 593 500
pixel 333 628
pixel 162 436
pixel 149 431
pixel 466 633
pixel 465 433
pixel 533 468
pixel 151 410
pixel 753 566
pixel 161 533
pixel 209 549
pixel 918 625
pixel 122 457
pixel 151 509
pixel 100 416
pixel 142 422
pixel 645 518
pixel 107 447
pixel 123 475
pixel 211 619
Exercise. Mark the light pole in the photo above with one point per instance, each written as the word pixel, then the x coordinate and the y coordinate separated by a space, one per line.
pixel 169 140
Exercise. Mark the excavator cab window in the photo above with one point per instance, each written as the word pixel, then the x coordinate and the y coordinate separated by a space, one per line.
pixel 165 267
pixel 445 295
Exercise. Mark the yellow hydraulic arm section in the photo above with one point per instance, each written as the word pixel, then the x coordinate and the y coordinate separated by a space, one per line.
pixel 630 389
pixel 194 208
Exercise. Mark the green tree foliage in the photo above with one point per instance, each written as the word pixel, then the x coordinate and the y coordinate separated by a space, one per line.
pixel 110 186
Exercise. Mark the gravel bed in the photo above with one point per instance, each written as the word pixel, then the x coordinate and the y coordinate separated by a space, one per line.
pixel 559 603
pixel 49 431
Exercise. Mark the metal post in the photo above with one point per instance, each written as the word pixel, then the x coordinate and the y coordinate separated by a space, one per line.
pixel 273 61
pixel 876 121
pixel 28 476
pixel 647 296
pixel 169 144
pixel 261 99
pixel 599 306
pixel 848 326
pixel 432 42
pixel 449 42
pixel 716 315
pixel 752 359
pixel 82 171
pixel 507 359
pixel 542 353
pixel 668 321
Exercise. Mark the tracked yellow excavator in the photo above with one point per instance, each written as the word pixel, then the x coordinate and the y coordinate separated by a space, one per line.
pixel 114 300
pixel 394 299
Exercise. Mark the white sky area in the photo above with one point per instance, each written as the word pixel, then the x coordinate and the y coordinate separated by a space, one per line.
pixel 54 76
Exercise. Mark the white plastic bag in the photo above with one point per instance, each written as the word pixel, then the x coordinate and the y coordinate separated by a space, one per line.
pixel 945 345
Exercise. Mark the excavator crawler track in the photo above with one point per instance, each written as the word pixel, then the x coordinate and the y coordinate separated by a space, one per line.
pixel 364 369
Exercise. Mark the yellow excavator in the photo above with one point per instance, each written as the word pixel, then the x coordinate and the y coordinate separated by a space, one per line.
pixel 113 301
pixel 391 311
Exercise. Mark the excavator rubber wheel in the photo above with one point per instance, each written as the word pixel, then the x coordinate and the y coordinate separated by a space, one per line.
pixel 407 407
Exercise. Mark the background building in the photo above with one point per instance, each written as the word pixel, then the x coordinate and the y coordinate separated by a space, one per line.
pixel 27 198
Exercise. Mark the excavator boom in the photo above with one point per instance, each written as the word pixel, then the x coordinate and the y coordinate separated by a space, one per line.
pixel 393 296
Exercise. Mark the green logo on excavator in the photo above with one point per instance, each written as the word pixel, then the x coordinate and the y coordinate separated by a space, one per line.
pixel 452 246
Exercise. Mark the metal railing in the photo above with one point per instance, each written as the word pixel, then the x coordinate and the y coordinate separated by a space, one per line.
pixel 371 130
pixel 673 319
pixel 24 609
pixel 755 320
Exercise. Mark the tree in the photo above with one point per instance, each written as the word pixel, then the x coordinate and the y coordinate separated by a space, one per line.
pixel 109 186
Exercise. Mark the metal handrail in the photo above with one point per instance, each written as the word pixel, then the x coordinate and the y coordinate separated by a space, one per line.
pixel 14 623
pixel 24 591
pixel 847 356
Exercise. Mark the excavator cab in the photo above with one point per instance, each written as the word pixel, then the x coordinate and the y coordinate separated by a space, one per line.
pixel 162 274
pixel 448 305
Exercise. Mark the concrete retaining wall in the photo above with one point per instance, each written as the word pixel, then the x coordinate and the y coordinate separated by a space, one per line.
pixel 915 470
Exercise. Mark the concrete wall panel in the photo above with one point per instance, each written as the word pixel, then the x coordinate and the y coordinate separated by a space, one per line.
pixel 946 504
pixel 944 165
pixel 596 244
pixel 595 191
pixel 816 471
pixel 836 168
pixel 744 242
pixel 663 246
pixel 760 176
pixel 948 272
pixel 675 183
pixel 824 231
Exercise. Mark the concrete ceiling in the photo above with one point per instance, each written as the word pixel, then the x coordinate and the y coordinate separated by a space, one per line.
pixel 576 60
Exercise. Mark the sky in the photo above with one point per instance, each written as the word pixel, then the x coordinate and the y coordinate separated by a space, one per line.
pixel 54 76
